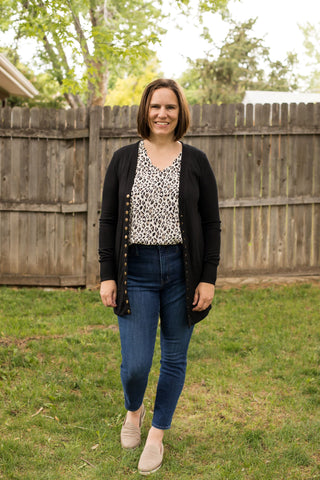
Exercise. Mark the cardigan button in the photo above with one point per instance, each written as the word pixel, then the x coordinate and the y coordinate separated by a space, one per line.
pixel 129 311
pixel 127 212
pixel 125 264
pixel 125 245
pixel 127 301
pixel 127 203
pixel 128 195
pixel 126 291
pixel 126 228
pixel 126 236
pixel 125 273
pixel 125 282
pixel 125 255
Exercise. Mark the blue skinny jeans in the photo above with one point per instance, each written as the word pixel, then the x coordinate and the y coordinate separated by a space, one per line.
pixel 156 287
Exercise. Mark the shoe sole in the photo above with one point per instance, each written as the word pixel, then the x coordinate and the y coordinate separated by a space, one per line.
pixel 150 471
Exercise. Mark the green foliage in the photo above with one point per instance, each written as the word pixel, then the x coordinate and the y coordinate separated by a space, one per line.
pixel 242 63
pixel 80 42
pixel 202 7
pixel 128 90
pixel 85 46
pixel 312 48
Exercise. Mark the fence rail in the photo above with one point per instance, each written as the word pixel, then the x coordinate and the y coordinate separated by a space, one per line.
pixel 52 164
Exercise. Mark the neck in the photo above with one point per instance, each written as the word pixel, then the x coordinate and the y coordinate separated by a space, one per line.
pixel 161 142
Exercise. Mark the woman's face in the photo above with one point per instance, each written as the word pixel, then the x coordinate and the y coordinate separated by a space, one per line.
pixel 163 113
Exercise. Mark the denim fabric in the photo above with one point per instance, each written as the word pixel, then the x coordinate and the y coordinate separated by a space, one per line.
pixel 156 287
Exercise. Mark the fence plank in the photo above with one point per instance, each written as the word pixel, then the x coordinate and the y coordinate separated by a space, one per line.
pixel 69 165
pixel 228 153
pixel 93 193
pixel 106 146
pixel 6 155
pixel 4 242
pixel 266 160
pixel 23 146
pixel 315 250
pixel 81 154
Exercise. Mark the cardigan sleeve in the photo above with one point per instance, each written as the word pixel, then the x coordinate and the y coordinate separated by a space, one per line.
pixel 210 219
pixel 108 223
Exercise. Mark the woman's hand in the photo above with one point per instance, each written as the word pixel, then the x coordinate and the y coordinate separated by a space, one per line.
pixel 203 296
pixel 108 293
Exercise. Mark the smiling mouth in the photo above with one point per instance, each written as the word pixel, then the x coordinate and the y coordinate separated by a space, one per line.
pixel 162 123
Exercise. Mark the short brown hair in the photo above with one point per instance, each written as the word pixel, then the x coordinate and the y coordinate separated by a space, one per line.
pixel 184 114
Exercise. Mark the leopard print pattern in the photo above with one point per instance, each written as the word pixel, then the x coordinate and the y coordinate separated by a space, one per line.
pixel 154 210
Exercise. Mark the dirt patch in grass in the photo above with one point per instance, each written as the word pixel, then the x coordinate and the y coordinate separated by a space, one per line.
pixel 22 342
pixel 226 283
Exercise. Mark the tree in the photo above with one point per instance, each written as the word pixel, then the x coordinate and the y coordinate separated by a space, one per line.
pixel 128 90
pixel 80 41
pixel 242 63
pixel 83 43
pixel 312 47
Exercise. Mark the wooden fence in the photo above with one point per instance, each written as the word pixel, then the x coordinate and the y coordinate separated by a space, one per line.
pixel 52 164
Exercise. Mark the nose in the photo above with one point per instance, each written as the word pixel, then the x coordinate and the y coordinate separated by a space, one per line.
pixel 162 112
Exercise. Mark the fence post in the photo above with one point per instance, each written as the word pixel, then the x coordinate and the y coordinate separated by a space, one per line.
pixel 95 114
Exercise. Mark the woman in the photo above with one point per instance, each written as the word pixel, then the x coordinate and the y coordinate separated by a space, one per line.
pixel 159 248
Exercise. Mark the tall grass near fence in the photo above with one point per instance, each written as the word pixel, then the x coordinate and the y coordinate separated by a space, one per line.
pixel 250 409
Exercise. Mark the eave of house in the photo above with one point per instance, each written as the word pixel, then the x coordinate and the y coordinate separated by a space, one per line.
pixel 12 82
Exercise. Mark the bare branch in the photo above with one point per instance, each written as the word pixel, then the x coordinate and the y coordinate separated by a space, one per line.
pixel 54 59
pixel 87 461
pixel 71 100
pixel 106 14
pixel 105 10
pixel 93 18
pixel 79 101
pixel 81 37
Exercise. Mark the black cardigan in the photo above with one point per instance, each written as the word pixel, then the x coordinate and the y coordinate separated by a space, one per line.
pixel 199 223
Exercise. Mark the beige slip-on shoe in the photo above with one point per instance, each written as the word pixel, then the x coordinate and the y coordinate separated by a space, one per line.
pixel 130 434
pixel 151 459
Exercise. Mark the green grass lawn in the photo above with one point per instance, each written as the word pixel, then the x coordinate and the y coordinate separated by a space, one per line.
pixel 250 408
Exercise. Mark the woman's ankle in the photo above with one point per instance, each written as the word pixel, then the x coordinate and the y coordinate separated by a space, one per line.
pixel 134 417
pixel 155 436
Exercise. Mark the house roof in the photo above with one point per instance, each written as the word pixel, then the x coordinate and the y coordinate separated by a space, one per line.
pixel 257 96
pixel 12 82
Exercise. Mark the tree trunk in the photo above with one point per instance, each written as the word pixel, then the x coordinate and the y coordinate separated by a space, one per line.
pixel 98 87
pixel 74 100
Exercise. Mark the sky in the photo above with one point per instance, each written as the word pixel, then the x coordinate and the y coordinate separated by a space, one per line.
pixel 277 22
